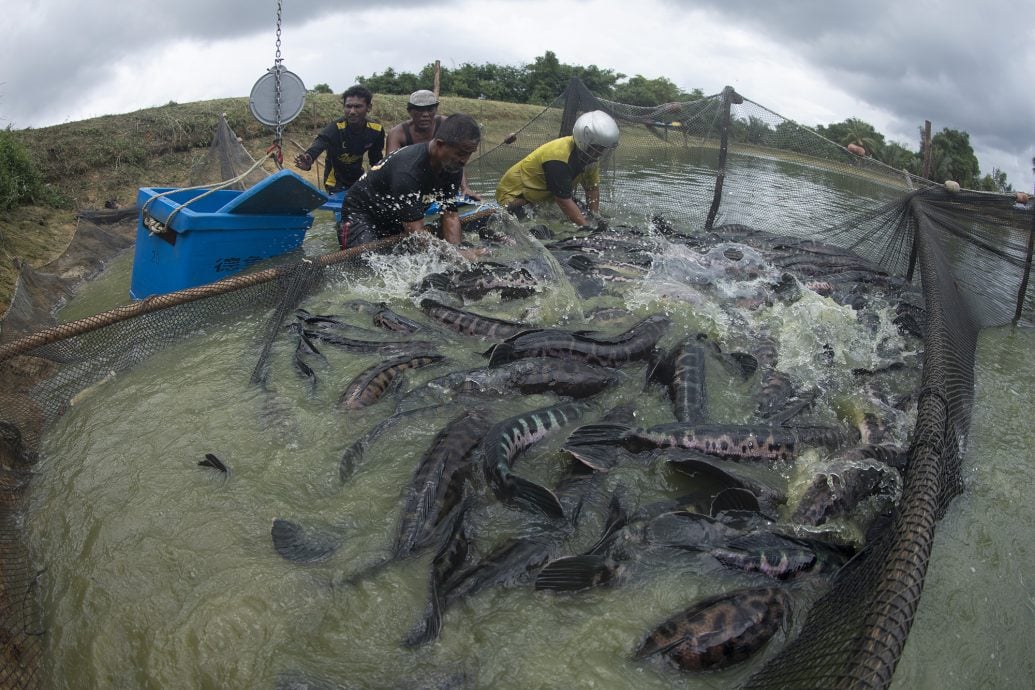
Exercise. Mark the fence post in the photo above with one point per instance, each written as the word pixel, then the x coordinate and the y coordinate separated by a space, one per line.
pixel 1027 271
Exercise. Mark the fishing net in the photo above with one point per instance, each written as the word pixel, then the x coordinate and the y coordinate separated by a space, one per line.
pixel 734 156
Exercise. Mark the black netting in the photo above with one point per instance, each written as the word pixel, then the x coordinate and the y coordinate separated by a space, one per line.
pixel 721 149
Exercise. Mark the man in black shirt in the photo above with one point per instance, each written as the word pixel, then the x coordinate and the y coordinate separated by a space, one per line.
pixel 346 141
pixel 390 199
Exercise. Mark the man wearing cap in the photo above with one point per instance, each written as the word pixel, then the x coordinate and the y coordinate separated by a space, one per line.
pixel 346 141
pixel 424 121
pixel 422 126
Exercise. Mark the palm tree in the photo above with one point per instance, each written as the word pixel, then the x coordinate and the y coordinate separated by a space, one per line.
pixel 861 134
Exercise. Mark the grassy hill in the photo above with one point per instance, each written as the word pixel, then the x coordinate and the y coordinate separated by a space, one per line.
pixel 106 159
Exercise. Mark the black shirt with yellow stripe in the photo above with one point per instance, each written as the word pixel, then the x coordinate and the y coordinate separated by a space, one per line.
pixel 346 145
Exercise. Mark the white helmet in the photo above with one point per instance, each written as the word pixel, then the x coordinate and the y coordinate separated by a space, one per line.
pixel 595 132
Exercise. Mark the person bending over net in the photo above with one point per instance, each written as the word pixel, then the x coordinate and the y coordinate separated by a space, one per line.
pixel 552 171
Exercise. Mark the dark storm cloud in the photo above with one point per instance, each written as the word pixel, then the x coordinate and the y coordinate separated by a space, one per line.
pixel 60 49
pixel 961 65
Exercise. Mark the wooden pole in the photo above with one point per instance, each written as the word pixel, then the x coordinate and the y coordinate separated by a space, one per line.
pixel 926 173
pixel 438 69
pixel 1027 272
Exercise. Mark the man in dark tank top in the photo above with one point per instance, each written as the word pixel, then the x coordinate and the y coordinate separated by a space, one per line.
pixel 421 128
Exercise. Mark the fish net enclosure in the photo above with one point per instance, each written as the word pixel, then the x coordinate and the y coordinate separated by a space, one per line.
pixel 725 152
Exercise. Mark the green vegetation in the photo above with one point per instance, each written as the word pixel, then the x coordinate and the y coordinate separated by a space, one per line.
pixel 20 179
pixel 540 82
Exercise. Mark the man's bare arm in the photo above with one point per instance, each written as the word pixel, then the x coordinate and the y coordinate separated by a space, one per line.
pixel 571 210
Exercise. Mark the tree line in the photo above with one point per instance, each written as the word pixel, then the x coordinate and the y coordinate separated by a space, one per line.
pixel 540 82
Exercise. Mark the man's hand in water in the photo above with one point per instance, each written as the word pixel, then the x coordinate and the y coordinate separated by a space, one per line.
pixel 474 253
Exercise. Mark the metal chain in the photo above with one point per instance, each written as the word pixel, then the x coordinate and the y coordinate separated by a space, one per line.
pixel 276 75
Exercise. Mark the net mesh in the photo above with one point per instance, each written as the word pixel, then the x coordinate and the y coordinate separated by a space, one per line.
pixel 718 149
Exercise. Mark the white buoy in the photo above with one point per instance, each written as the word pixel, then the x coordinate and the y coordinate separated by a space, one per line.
pixel 952 186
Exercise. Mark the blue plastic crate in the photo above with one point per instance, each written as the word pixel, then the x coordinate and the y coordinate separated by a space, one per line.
pixel 187 238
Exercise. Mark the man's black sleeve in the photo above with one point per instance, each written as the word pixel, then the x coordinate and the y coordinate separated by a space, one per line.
pixel 559 180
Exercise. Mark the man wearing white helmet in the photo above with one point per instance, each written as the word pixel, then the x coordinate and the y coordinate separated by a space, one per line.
pixel 554 169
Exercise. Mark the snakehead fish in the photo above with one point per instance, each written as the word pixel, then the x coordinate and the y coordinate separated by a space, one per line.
pixel 507 439
pixel 634 344
pixel 437 485
pixel 478 281
pixel 629 537
pixel 781 556
pixel 719 631
pixel 566 377
pixel 734 441
pixel 859 474
pixel 513 563
pixel 682 371
pixel 469 323
pixel 366 346
pixel 370 384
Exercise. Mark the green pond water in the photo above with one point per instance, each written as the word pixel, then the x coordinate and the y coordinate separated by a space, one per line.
pixel 161 573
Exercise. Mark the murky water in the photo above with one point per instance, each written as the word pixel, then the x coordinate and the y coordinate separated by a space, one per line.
pixel 161 573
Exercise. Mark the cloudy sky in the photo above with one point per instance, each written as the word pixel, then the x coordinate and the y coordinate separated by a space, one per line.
pixel 961 64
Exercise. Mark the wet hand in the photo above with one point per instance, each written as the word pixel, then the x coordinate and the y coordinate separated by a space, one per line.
pixel 303 161
pixel 474 253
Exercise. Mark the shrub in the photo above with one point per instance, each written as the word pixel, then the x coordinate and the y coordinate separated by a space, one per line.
pixel 20 180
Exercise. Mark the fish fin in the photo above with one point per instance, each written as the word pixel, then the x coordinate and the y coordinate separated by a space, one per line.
pixel 352 456
pixel 427 628
pixel 573 573
pixel 521 334
pixel 305 370
pixel 617 517
pixel 601 456
pixel 501 353
pixel 745 364
pixel 305 345
pixel 214 462
pixel 531 495
pixel 597 433
pixel 734 498
pixel 439 281
pixel 298 545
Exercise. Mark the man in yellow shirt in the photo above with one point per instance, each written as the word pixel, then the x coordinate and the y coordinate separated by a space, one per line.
pixel 554 169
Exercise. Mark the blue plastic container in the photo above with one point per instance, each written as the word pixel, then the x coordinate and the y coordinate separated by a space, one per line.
pixel 186 238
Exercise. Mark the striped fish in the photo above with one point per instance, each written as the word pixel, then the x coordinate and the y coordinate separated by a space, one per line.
pixel 734 441
pixel 635 344
pixel 682 371
pixel 437 486
pixel 507 439
pixel 370 384
pixel 719 631
pixel 469 323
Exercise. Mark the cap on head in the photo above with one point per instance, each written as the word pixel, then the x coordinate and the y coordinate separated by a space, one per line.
pixel 423 99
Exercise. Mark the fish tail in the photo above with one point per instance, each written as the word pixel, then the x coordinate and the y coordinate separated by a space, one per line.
pixel 537 498
pixel 214 462
pixel 573 573
pixel 597 433
pixel 298 545
pixel 352 456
